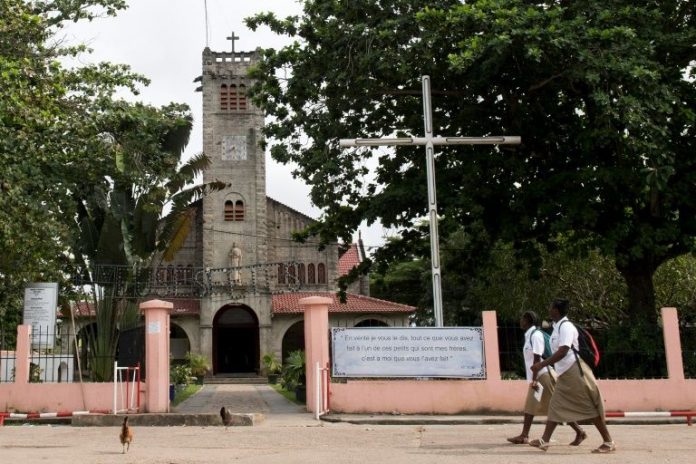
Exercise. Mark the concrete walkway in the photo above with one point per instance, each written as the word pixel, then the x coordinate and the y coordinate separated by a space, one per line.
pixel 240 398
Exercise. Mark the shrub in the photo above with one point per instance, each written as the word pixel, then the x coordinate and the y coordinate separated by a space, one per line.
pixel 180 375
pixel 198 364
pixel 293 372
pixel 271 363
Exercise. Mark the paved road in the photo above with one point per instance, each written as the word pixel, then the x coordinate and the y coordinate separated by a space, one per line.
pixel 290 435
pixel 336 443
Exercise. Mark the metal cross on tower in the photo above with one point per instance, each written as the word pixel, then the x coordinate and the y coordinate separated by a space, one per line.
pixel 429 141
pixel 232 38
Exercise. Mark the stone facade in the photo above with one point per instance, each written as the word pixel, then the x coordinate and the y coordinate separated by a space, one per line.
pixel 244 236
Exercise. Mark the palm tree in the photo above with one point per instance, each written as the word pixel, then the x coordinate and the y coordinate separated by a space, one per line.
pixel 138 209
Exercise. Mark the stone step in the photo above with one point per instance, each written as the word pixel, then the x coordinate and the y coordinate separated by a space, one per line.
pixel 236 379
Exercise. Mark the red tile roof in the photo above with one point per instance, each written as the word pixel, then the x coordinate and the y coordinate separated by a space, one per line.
pixel 288 303
pixel 182 307
pixel 284 303
pixel 348 260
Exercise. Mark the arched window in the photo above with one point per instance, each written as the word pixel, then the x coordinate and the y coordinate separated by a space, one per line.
pixel 223 98
pixel 371 323
pixel 291 274
pixel 310 273
pixel 321 273
pixel 281 274
pixel 301 273
pixel 239 210
pixel 234 210
pixel 229 211
pixel 242 98
pixel 233 97
pixel 189 273
pixel 179 273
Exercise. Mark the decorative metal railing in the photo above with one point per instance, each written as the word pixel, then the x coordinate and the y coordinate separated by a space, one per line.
pixel 196 282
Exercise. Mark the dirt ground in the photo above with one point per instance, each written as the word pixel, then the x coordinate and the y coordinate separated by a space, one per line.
pixel 310 442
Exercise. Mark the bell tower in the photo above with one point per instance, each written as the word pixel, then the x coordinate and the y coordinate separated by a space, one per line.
pixel 236 216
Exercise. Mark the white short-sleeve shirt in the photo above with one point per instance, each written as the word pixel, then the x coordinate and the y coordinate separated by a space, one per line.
pixel 564 335
pixel 533 344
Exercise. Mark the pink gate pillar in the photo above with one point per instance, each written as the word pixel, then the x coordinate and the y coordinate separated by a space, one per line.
pixel 316 332
pixel 23 354
pixel 490 345
pixel 673 350
pixel 157 354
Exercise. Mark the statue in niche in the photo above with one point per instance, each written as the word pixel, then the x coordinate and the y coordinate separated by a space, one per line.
pixel 235 257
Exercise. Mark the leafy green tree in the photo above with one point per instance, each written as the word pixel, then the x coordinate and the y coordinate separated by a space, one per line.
pixel 133 211
pixel 602 94
pixel 47 141
pixel 86 179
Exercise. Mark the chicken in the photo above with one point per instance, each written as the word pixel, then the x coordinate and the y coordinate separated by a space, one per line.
pixel 226 417
pixel 126 435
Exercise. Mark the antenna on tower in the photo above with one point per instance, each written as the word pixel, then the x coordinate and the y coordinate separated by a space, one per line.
pixel 207 35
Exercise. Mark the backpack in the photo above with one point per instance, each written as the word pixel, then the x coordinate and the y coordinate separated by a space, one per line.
pixel 547 343
pixel 587 347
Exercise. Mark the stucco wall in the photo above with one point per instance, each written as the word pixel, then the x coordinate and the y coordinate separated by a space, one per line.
pixel 495 394
pixel 473 396
pixel 59 397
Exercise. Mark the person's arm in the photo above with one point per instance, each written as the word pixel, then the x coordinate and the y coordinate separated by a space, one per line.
pixel 537 359
pixel 553 359
pixel 537 343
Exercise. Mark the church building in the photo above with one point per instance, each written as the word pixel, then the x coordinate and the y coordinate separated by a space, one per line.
pixel 241 251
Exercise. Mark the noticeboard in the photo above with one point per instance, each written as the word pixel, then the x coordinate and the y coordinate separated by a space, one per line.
pixel 40 305
pixel 408 352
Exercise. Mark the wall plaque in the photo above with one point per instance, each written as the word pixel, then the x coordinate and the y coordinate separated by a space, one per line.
pixel 408 352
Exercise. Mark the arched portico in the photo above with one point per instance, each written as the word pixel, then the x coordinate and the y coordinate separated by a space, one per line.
pixel 293 339
pixel 235 340
pixel 179 342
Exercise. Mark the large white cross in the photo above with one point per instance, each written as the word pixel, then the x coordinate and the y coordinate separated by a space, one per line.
pixel 430 141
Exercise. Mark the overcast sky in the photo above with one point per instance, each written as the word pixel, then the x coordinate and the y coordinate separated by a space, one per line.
pixel 163 40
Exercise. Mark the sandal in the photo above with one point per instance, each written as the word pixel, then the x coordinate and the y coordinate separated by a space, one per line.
pixel 539 443
pixel 606 447
pixel 579 438
pixel 518 440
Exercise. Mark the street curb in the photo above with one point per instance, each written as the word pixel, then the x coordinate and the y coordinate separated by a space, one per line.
pixel 166 420
pixel 474 420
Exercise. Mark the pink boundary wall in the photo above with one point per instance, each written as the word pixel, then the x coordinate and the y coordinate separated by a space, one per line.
pixel 22 396
pixel 497 395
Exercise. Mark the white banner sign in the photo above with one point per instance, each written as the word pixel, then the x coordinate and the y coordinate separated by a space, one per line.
pixel 40 305
pixel 408 352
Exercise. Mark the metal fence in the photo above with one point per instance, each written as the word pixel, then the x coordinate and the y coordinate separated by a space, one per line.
pixel 61 355
pixel 7 358
pixel 619 360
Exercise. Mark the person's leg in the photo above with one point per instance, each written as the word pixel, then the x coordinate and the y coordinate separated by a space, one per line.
pixel 548 431
pixel 543 442
pixel 523 437
pixel 580 434
pixel 608 444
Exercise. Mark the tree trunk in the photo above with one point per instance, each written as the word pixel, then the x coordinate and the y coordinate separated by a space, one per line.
pixel 641 292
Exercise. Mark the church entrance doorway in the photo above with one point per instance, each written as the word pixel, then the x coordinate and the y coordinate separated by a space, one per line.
pixel 235 340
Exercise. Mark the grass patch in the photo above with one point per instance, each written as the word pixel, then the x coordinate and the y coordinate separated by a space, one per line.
pixel 290 396
pixel 188 391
